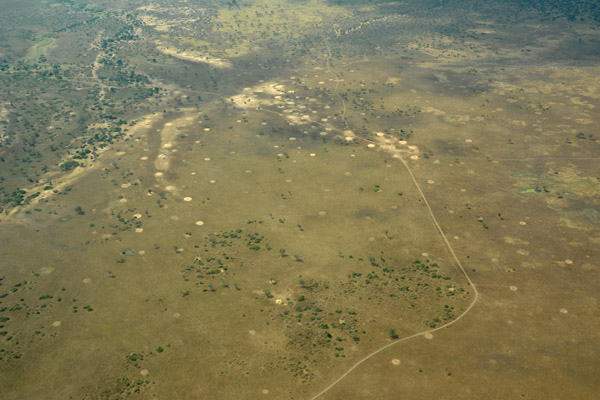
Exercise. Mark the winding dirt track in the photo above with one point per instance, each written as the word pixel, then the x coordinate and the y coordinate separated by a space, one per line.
pixel 456 260
pixel 458 263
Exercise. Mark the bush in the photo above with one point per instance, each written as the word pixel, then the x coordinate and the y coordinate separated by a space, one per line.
pixel 69 165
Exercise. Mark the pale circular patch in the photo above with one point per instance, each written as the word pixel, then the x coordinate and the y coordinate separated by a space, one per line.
pixel 425 254
pixel 144 372
pixel 563 311
pixel 450 211
pixel 513 288
pixel 170 188
pixel 322 213
pixel 125 185
pixel 349 138
pixel 56 324
pixel 212 181
pixel 278 301
pixel 265 391
pixel 206 129
pixel 167 145
pixel 87 280
pixel 401 141
pixel 137 216
pixel 395 361
pixel 176 315
pixel 199 223
pixel 158 174
pixel 568 262
pixel 379 134
pixel 495 260
pixel 456 238
pixel 428 336
pixel 370 145
pixel 431 181
pixel 206 158
pixel 139 230
pixel 252 332
pixel 292 138
pixel 323 133
pixel 414 157
pixel 248 171
pixel 468 140
pixel 187 198
pixel 463 190
pixel 313 155
pixel 522 223
pixel 123 200
pixel 142 252
pixel 347 173
pixel 288 180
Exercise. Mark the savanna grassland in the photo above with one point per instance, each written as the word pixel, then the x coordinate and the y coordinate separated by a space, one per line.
pixel 299 200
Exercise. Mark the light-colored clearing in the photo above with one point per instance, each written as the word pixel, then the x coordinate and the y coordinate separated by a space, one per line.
pixel 193 56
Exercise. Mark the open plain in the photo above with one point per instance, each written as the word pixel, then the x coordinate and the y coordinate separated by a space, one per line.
pixel 297 200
